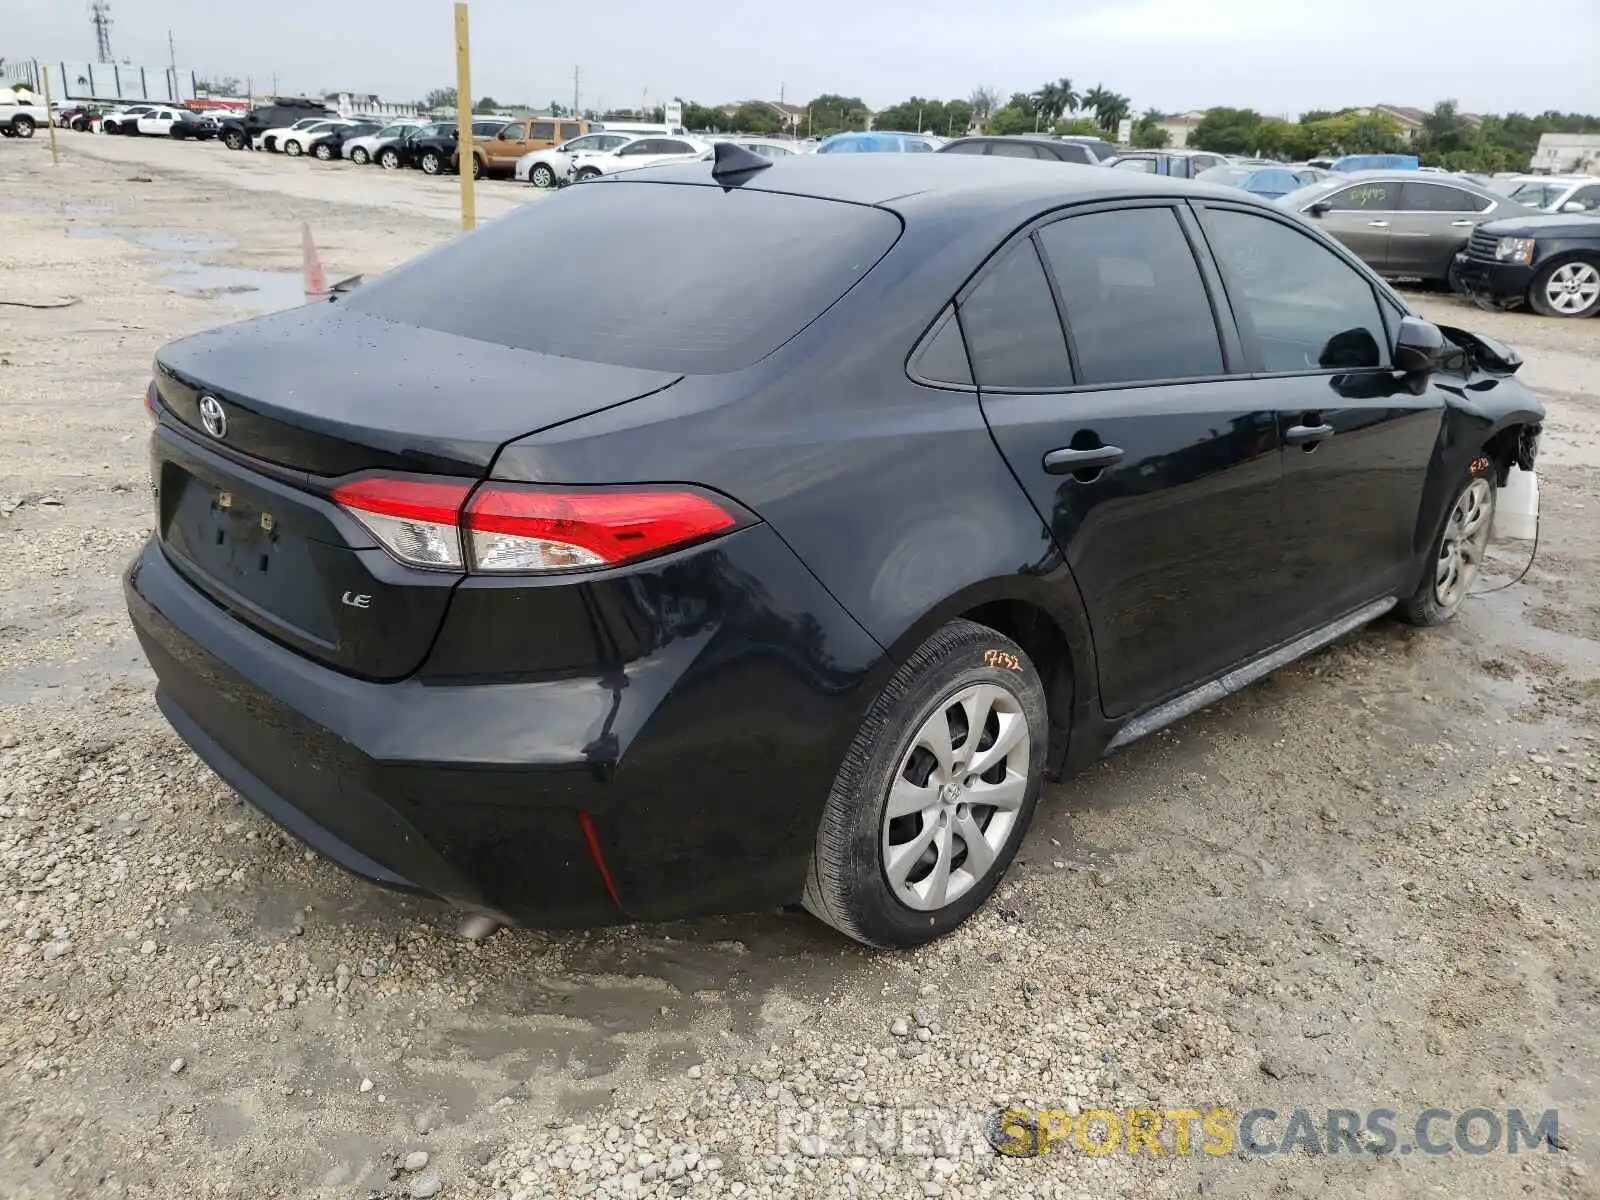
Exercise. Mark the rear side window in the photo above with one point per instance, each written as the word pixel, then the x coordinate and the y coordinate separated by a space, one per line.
pixel 1013 332
pixel 1436 197
pixel 539 131
pixel 1013 150
pixel 943 356
pixel 1147 165
pixel 1134 300
pixel 565 276
pixel 1077 154
pixel 570 130
pixel 965 148
pixel 1304 307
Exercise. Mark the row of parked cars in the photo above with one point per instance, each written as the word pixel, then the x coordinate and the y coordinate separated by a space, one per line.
pixel 1405 220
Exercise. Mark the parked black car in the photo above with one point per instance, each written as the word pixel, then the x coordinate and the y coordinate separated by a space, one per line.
pixel 435 153
pixel 391 156
pixel 237 132
pixel 578 587
pixel 332 145
pixel 1550 263
pixel 1047 149
pixel 199 126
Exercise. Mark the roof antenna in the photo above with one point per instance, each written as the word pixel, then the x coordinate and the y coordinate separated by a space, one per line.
pixel 733 164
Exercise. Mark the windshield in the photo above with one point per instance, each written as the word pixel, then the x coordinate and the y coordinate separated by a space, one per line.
pixel 562 276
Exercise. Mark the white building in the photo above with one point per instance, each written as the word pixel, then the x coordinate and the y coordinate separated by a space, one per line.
pixel 1559 153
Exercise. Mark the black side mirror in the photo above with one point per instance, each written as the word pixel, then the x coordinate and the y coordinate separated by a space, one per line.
pixel 1418 346
pixel 1320 207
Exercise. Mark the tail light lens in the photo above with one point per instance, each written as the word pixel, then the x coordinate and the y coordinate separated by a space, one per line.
pixel 514 529
pixel 150 402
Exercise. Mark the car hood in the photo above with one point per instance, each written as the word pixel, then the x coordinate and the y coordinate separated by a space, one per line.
pixel 1565 224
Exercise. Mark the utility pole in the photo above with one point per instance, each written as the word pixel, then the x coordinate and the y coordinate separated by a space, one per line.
pixel 100 18
pixel 576 111
pixel 172 54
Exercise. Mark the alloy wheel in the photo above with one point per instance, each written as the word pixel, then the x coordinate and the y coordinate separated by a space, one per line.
pixel 955 798
pixel 359 156
pixel 1466 538
pixel 1573 287
pixel 389 160
pixel 542 176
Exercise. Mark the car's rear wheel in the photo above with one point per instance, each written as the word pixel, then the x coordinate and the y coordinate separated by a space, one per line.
pixel 323 152
pixel 389 160
pixel 935 792
pixel 585 173
pixel 233 140
pixel 1566 287
pixel 542 176
pixel 293 148
pixel 1458 551
pixel 360 157
pixel 23 126
pixel 1456 283
pixel 432 162
pixel 477 168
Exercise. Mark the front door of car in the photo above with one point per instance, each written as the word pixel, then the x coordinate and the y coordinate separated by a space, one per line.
pixel 1360 217
pixel 1143 448
pixel 1357 441
pixel 510 144
pixel 1432 222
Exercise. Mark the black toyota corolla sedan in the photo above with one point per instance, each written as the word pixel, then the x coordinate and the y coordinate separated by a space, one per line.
pixel 714 537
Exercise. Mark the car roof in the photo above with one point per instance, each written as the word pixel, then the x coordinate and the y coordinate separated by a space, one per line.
pixel 929 182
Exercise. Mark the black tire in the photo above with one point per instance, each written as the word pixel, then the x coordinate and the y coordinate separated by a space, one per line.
pixel 22 125
pixel 234 139
pixel 847 885
pixel 322 152
pixel 542 176
pixel 477 167
pixel 1454 281
pixel 360 157
pixel 432 163
pixel 585 173
pixel 389 158
pixel 1429 605
pixel 293 148
pixel 1538 291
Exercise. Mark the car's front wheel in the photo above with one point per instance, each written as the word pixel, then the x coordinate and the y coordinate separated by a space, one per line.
pixel 389 160
pixel 935 792
pixel 1458 551
pixel 586 173
pixel 432 163
pixel 542 176
pixel 23 126
pixel 1568 287
pixel 233 140
pixel 323 152
pixel 293 148
pixel 360 157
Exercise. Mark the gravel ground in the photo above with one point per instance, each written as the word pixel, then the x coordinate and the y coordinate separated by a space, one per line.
pixel 1368 881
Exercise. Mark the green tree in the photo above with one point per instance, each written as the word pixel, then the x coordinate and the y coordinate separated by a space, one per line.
pixel 1079 126
pixel 440 98
pixel 830 113
pixel 956 119
pixel 1012 119
pixel 699 117
pixel 1148 133
pixel 1108 114
pixel 755 117
pixel 487 105
pixel 1227 131
pixel 909 116
pixel 218 85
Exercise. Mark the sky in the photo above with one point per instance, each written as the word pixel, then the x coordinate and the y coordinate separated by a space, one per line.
pixel 1281 57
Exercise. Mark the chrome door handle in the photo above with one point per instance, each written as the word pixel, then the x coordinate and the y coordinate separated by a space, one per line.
pixel 1065 462
pixel 1378 224
pixel 1462 224
pixel 1299 435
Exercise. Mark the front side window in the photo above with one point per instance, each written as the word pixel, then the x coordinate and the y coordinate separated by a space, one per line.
pixel 967 148
pixel 1306 308
pixel 1133 296
pixel 1013 331
pixel 1587 197
pixel 1147 165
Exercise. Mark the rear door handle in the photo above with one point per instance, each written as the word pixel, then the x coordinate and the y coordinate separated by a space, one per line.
pixel 1299 435
pixel 1378 224
pixel 1462 224
pixel 1065 462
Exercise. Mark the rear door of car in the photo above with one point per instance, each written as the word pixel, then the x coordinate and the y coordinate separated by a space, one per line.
pixel 1357 440
pixel 1360 216
pixel 569 130
pixel 1432 223
pixel 1143 445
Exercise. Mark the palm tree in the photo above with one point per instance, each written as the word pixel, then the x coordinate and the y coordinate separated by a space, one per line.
pixel 1111 113
pixel 1047 101
pixel 1070 100
pixel 1094 100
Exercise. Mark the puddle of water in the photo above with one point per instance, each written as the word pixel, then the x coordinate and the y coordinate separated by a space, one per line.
pixel 240 288
pixel 91 231
pixel 168 241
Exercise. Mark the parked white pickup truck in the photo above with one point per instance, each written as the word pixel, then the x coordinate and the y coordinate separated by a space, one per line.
pixel 21 112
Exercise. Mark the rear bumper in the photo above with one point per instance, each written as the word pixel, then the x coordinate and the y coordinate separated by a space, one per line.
pixel 699 768
pixel 1503 281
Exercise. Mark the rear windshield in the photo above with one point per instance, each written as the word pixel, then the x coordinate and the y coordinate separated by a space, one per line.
pixel 666 277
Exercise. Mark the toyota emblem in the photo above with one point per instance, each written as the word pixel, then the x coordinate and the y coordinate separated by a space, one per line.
pixel 212 416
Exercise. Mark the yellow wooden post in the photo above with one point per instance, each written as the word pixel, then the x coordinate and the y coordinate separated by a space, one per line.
pixel 469 216
pixel 50 117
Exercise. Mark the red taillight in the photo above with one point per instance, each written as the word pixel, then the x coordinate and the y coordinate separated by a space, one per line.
pixel 509 528
pixel 417 520
pixel 150 396
pixel 535 529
